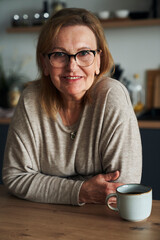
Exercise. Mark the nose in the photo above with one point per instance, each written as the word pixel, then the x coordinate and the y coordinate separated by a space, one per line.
pixel 72 64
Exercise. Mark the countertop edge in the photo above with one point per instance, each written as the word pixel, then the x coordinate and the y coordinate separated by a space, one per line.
pixel 149 124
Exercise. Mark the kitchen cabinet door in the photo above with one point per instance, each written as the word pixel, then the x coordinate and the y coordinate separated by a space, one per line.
pixel 3 138
pixel 151 160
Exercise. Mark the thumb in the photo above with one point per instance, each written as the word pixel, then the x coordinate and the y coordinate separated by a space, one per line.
pixel 112 176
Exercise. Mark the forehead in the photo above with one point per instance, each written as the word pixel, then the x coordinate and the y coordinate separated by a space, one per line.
pixel 75 37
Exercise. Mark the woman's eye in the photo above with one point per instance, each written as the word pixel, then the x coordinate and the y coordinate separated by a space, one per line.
pixel 83 53
pixel 59 54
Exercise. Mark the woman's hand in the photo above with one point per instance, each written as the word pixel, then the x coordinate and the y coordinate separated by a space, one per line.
pixel 98 187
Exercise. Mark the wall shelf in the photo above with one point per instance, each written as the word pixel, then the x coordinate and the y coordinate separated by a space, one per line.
pixel 33 29
pixel 118 23
pixel 110 23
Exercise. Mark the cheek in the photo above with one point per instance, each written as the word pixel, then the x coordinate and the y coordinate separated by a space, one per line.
pixel 50 71
pixel 97 65
pixel 55 76
pixel 90 76
pixel 93 70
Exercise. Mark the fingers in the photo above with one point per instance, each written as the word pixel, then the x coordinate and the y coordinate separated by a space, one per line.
pixel 95 189
pixel 112 176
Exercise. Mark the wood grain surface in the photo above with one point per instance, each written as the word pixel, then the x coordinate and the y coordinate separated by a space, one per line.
pixel 24 220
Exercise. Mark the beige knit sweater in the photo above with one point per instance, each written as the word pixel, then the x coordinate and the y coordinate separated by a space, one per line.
pixel 42 163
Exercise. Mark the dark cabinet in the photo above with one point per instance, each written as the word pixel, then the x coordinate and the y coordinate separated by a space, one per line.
pixel 3 137
pixel 151 159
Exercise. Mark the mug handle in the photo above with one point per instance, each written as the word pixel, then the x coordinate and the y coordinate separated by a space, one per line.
pixel 107 203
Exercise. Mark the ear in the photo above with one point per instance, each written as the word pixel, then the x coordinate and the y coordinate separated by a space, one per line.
pixel 98 62
pixel 44 65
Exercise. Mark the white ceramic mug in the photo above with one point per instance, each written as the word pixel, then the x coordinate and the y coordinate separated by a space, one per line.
pixel 134 201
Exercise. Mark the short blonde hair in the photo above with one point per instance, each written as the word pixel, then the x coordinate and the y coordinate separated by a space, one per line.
pixel 50 97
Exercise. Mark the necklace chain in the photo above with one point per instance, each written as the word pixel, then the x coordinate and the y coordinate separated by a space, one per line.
pixel 72 133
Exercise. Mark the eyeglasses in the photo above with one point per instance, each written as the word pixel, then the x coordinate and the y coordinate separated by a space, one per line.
pixel 83 58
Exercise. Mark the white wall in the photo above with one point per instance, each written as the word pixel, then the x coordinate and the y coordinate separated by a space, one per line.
pixel 136 49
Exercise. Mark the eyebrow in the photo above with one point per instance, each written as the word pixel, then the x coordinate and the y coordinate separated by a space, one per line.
pixel 64 50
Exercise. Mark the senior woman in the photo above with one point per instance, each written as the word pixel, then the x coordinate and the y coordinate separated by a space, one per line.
pixel 74 136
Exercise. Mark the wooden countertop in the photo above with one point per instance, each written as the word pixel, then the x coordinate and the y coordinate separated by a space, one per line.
pixel 21 219
pixel 149 124
pixel 5 120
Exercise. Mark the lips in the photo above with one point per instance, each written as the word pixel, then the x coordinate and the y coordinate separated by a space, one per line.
pixel 72 78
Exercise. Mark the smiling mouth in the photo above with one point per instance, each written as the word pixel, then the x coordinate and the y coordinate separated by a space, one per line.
pixel 72 78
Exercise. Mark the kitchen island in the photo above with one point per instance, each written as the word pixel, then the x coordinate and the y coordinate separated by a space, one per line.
pixel 21 219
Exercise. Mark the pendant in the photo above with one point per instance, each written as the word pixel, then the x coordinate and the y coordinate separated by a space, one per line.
pixel 73 135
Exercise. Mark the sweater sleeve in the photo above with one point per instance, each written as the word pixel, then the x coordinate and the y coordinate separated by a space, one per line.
pixel 121 143
pixel 22 173
pixel 22 176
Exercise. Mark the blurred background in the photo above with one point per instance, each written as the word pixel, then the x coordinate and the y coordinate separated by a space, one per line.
pixel 135 49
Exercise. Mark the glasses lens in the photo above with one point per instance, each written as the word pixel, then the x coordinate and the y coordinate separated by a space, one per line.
pixel 85 58
pixel 58 59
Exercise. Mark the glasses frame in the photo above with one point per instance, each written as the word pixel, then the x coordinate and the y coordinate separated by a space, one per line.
pixel 74 56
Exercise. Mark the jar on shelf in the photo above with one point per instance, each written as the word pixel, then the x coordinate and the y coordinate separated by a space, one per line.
pixel 57 5
pixel 25 20
pixel 13 96
pixel 136 94
pixel 16 20
pixel 45 13
pixel 37 21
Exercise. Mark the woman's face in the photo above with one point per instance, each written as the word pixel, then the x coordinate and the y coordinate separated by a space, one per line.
pixel 73 80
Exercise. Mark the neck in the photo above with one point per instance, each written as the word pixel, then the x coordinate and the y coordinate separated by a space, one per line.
pixel 70 113
pixel 71 109
pixel 71 103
